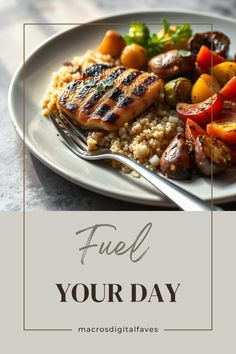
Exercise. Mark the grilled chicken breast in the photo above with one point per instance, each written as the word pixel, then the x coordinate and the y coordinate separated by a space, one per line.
pixel 105 96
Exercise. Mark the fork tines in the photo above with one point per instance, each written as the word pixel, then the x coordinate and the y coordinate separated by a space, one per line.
pixel 72 134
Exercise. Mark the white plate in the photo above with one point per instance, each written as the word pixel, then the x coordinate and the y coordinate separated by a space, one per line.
pixel 41 137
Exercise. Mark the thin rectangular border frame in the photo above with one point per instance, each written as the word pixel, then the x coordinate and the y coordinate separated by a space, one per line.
pixel 211 328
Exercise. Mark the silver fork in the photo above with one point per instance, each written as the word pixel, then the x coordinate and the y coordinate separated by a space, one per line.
pixel 76 140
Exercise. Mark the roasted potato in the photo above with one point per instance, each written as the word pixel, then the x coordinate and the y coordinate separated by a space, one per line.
pixel 171 63
pixel 134 56
pixel 207 148
pixel 223 72
pixel 176 161
pixel 112 44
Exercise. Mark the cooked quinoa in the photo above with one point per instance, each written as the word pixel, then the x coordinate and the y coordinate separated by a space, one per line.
pixel 143 139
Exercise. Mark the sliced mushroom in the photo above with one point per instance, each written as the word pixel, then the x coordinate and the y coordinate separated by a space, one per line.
pixel 176 160
pixel 207 149
pixel 171 63
pixel 216 41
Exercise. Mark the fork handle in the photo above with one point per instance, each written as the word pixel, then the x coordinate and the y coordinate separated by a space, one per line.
pixel 183 199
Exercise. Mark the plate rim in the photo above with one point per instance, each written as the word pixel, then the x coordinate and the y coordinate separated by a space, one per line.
pixel 50 164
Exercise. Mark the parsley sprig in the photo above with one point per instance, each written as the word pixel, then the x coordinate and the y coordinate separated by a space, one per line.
pixel 103 85
pixel 140 34
pixel 100 86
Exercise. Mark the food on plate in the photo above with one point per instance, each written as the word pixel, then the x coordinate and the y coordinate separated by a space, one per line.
pixel 215 40
pixel 177 90
pixel 206 58
pixel 233 153
pixel 143 139
pixel 229 89
pixel 205 87
pixel 68 72
pixel 169 32
pixel 112 44
pixel 211 155
pixel 193 130
pixel 224 128
pixel 168 38
pixel 134 56
pixel 166 98
pixel 202 112
pixel 176 161
pixel 171 63
pixel 223 72
pixel 106 97
pixel 229 106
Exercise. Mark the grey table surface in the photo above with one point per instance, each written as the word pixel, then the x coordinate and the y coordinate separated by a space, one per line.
pixel 45 190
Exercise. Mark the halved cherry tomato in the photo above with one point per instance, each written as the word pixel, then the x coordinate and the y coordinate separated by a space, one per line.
pixel 224 127
pixel 193 130
pixel 229 89
pixel 206 58
pixel 202 112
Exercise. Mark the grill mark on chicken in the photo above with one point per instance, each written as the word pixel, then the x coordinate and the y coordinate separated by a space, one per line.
pixel 110 117
pixel 91 102
pixel 116 94
pixel 70 88
pixel 125 102
pixel 109 81
pixel 106 97
pixel 73 85
pixel 131 77
pixel 116 73
pixel 83 91
pixel 149 80
pixel 140 90
pixel 72 107
pixel 119 92
pixel 88 86
pixel 62 100
pixel 103 110
pixel 95 70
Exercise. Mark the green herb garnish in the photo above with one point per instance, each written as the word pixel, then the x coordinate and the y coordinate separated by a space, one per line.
pixel 154 44
pixel 103 85
pixel 91 83
pixel 100 86
pixel 166 26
